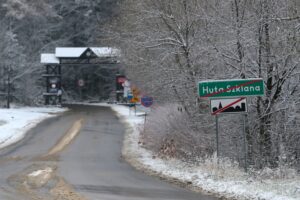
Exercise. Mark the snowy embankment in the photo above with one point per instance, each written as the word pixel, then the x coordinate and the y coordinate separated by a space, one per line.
pixel 15 122
pixel 224 179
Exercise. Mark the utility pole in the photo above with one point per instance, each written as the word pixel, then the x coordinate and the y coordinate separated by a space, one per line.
pixel 8 87
pixel 8 73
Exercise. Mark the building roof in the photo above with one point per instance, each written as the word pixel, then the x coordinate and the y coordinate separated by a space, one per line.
pixel 77 52
pixel 105 51
pixel 49 58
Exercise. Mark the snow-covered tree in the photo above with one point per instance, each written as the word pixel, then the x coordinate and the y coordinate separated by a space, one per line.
pixel 171 45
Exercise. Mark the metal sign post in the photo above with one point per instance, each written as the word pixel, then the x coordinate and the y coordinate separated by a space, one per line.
pixel 245 144
pixel 145 121
pixel 217 137
pixel 80 84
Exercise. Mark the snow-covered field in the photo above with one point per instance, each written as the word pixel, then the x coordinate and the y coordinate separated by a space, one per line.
pixel 15 122
pixel 224 179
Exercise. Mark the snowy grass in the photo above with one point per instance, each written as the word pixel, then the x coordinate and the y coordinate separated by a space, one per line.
pixel 222 178
pixel 2 122
pixel 15 122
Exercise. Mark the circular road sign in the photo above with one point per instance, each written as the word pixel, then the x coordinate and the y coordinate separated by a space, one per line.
pixel 80 82
pixel 147 101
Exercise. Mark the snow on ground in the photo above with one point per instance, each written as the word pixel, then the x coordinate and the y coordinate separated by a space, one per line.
pixel 47 170
pixel 15 122
pixel 224 179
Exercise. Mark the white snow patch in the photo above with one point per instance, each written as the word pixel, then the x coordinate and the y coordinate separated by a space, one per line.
pixel 48 58
pixel 75 52
pixel 19 120
pixel 69 52
pixel 47 170
pixel 2 122
pixel 106 51
pixel 224 179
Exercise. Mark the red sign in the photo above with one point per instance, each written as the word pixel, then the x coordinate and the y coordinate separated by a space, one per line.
pixel 121 79
pixel 229 105
pixel 147 101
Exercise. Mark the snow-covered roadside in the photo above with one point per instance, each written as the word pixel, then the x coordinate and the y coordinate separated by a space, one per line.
pixel 223 180
pixel 15 122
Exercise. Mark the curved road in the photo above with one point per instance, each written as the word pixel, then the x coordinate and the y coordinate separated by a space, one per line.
pixel 91 163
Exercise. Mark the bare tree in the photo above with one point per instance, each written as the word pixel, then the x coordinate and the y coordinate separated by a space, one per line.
pixel 174 44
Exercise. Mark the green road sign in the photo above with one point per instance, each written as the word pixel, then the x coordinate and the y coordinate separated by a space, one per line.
pixel 231 88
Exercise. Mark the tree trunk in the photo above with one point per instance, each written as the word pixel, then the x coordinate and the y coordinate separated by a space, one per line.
pixel 265 116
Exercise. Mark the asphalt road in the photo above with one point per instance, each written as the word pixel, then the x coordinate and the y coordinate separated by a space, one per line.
pixel 91 163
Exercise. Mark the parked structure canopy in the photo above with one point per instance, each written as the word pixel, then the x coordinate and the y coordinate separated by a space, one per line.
pixel 79 52
pixel 72 56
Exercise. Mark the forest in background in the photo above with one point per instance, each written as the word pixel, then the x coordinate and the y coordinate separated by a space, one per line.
pixel 167 47
pixel 31 27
